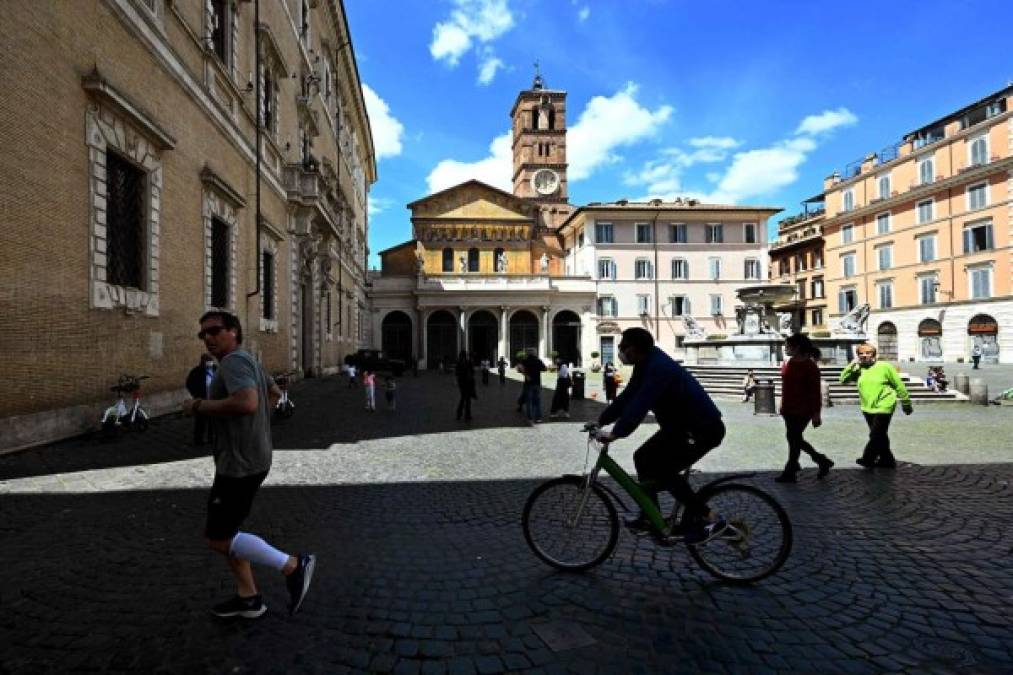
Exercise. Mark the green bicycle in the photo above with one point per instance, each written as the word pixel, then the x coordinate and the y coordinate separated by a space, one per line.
pixel 571 522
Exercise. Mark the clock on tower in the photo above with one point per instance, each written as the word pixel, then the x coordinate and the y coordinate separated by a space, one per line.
pixel 539 144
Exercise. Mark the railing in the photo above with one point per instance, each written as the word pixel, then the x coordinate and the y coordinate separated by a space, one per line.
pixel 889 153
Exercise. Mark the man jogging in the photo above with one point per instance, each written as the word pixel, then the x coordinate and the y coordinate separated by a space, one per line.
pixel 690 427
pixel 241 398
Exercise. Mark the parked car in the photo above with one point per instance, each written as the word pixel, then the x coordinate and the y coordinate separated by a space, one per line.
pixel 376 361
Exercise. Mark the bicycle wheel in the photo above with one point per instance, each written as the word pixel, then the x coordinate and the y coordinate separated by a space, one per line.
pixel 758 538
pixel 561 536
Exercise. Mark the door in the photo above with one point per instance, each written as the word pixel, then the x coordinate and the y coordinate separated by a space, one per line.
pixel 887 339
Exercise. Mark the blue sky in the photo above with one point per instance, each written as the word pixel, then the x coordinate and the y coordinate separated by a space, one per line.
pixel 736 102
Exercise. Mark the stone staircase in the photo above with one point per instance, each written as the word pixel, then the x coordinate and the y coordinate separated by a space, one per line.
pixel 725 382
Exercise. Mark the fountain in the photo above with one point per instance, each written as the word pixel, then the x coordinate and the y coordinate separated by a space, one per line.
pixel 763 320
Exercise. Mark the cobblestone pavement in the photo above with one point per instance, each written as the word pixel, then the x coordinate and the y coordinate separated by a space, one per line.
pixel 423 565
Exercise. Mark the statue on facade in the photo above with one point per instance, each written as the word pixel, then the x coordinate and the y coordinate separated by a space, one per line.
pixel 420 263
pixel 740 319
pixel 544 263
pixel 501 262
pixel 463 264
pixel 694 331
pixel 854 321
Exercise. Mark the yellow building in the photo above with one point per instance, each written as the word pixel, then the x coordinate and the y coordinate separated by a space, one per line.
pixel 797 257
pixel 129 196
pixel 921 232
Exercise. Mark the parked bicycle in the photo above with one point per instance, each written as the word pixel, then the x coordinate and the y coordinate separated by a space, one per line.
pixel 120 416
pixel 571 522
pixel 284 408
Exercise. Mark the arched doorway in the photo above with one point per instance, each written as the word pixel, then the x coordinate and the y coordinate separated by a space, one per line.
pixel 523 333
pixel 396 336
pixel 886 338
pixel 930 340
pixel 483 334
pixel 441 338
pixel 566 336
pixel 984 332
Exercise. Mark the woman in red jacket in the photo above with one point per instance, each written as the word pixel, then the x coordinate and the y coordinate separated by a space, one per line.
pixel 801 401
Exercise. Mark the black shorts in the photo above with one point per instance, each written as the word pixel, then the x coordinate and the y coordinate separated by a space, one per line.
pixel 229 503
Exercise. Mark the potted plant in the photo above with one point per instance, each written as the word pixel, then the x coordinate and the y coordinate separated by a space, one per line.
pixel 595 366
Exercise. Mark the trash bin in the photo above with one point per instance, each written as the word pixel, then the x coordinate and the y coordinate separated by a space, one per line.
pixel 577 378
pixel 978 391
pixel 763 398
pixel 962 383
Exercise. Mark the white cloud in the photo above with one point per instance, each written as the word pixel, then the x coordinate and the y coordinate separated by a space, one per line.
pixel 584 13
pixel 387 130
pixel 826 121
pixel 487 70
pixel 606 124
pixel 494 169
pixel 752 174
pixel 377 205
pixel 471 22
pixel 720 142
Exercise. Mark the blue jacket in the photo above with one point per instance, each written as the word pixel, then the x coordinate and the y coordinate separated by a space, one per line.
pixel 662 386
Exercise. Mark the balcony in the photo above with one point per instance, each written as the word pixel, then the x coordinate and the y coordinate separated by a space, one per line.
pixel 797 238
pixel 303 183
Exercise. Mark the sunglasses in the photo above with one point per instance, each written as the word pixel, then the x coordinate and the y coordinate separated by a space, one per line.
pixel 213 331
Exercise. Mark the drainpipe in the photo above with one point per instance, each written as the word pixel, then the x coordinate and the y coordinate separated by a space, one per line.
pixel 256 104
pixel 657 296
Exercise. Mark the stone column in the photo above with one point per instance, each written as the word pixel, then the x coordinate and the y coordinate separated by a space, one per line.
pixel 543 335
pixel 504 333
pixel 424 338
pixel 462 339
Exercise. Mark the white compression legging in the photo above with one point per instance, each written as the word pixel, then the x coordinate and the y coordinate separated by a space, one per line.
pixel 251 548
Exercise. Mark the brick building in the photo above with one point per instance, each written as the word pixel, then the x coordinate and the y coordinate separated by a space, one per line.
pixel 129 195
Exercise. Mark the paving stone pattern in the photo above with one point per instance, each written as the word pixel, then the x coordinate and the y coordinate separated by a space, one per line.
pixel 422 571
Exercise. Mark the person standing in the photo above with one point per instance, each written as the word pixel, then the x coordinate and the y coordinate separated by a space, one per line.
pixel 391 390
pixel 465 374
pixel 485 372
pixel 801 402
pixel 976 354
pixel 198 384
pixel 561 398
pixel 501 368
pixel 533 369
pixel 608 378
pixel 369 384
pixel 239 402
pixel 351 375
pixel 879 389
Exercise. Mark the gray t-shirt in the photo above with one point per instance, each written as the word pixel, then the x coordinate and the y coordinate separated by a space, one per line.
pixel 242 443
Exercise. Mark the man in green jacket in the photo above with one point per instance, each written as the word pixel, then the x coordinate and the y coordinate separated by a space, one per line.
pixel 879 389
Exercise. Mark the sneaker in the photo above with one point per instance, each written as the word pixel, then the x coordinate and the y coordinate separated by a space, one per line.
pixel 639 526
pixel 298 582
pixel 705 532
pixel 825 465
pixel 246 608
pixel 861 461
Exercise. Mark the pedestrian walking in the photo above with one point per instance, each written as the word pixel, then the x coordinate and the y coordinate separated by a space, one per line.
pixel 533 369
pixel 976 354
pixel 369 384
pixel 801 402
pixel 390 392
pixel 198 384
pixel 879 389
pixel 748 385
pixel 561 398
pixel 351 375
pixel 485 372
pixel 501 368
pixel 608 380
pixel 465 374
pixel 239 402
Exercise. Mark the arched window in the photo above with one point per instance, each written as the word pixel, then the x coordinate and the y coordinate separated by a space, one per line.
pixel 448 260
pixel 534 119
pixel 472 259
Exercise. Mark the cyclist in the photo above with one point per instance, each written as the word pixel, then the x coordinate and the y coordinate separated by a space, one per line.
pixel 690 426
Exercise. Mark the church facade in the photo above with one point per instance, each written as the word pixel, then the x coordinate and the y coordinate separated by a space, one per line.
pixel 498 274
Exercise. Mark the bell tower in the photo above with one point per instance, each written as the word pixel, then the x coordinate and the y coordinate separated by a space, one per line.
pixel 539 144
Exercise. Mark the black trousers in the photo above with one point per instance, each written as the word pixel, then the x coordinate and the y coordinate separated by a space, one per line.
pixel 660 460
pixel 464 406
pixel 794 427
pixel 878 447
pixel 203 432
pixel 561 398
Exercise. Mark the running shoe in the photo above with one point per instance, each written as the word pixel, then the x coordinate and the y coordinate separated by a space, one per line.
pixel 246 608
pixel 298 582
